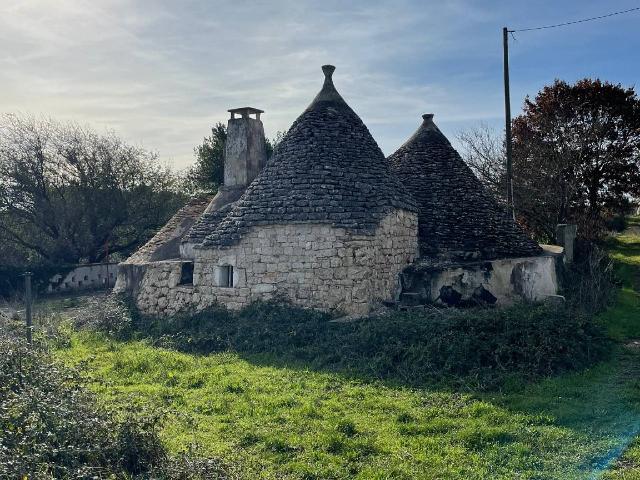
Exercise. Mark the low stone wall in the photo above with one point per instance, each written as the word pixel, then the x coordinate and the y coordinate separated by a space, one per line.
pixel 499 282
pixel 84 277
pixel 313 265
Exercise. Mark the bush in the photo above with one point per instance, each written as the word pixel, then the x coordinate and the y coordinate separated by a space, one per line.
pixel 617 223
pixel 589 283
pixel 52 426
pixel 110 314
pixel 487 345
pixel 12 278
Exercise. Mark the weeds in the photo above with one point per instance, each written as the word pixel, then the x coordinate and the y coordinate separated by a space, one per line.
pixel 589 283
pixel 52 427
pixel 475 347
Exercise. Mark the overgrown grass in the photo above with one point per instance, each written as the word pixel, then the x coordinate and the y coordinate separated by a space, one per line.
pixel 623 320
pixel 478 348
pixel 312 399
pixel 282 422
pixel 52 427
pixel 624 324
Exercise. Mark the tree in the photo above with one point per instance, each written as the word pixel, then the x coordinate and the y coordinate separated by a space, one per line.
pixel 483 149
pixel 577 148
pixel 208 172
pixel 70 195
pixel 575 156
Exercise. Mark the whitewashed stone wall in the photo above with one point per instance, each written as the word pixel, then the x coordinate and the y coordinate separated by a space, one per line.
pixel 509 280
pixel 84 277
pixel 312 265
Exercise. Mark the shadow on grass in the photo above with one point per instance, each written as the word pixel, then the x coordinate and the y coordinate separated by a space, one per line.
pixel 475 349
pixel 587 411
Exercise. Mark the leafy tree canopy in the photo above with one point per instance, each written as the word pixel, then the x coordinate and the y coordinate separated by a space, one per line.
pixel 70 195
pixel 576 152
pixel 208 172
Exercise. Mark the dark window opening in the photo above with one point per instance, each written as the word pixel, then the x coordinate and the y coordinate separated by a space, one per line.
pixel 226 276
pixel 186 274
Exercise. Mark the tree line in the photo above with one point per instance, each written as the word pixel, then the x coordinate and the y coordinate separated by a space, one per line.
pixel 576 157
pixel 71 195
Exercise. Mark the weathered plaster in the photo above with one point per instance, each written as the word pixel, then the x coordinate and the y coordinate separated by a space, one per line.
pixel 500 282
pixel 244 152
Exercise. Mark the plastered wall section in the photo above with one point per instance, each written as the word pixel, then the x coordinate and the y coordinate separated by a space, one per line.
pixel 312 265
pixel 510 280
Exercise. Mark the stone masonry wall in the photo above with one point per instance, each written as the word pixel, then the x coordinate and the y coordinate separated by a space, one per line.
pixel 313 265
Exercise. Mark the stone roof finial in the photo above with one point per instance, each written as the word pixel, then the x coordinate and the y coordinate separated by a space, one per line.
pixel 328 94
pixel 427 116
pixel 328 72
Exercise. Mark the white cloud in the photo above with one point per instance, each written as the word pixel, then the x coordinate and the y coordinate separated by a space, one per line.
pixel 160 73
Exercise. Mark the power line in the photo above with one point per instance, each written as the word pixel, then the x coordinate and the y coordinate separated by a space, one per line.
pixel 576 21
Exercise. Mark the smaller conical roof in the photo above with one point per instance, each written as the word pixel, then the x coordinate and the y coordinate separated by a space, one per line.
pixel 457 216
pixel 327 169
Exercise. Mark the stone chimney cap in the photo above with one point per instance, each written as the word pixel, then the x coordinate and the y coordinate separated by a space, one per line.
pixel 245 109
pixel 245 112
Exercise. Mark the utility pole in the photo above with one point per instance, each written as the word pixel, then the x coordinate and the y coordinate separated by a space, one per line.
pixel 27 301
pixel 507 114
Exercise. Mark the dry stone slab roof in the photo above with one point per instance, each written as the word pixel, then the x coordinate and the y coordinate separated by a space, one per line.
pixel 327 169
pixel 206 224
pixel 457 217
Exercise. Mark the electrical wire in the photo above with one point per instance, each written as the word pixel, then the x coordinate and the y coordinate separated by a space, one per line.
pixel 576 21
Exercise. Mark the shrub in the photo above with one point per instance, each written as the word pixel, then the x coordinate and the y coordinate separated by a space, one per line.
pixel 110 314
pixel 483 345
pixel 589 283
pixel 52 426
pixel 617 223
pixel 12 278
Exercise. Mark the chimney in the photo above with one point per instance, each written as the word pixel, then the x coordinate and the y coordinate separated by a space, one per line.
pixel 244 151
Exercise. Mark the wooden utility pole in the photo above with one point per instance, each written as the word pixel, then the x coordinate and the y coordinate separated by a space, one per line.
pixel 27 301
pixel 507 114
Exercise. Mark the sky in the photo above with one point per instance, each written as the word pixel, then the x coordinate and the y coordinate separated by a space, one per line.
pixel 160 73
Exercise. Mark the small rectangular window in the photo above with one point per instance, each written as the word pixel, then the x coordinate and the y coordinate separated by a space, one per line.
pixel 226 276
pixel 186 274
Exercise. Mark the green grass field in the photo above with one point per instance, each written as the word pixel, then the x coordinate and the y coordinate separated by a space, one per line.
pixel 623 320
pixel 291 422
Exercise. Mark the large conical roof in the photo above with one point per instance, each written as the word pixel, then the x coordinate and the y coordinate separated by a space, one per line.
pixel 457 217
pixel 327 169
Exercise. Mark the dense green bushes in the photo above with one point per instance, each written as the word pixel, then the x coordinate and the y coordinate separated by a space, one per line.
pixel 51 427
pixel 483 346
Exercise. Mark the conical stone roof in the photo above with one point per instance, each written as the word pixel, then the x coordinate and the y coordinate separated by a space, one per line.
pixel 457 217
pixel 327 169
